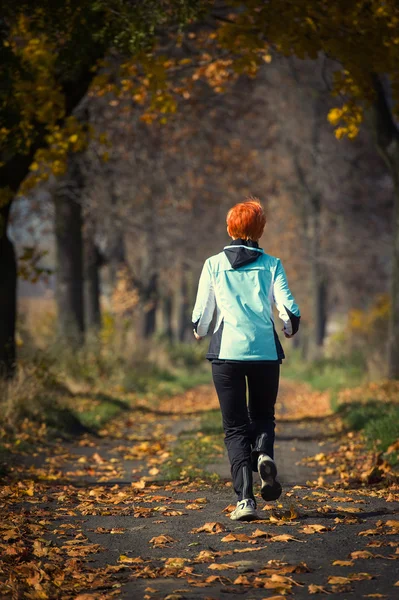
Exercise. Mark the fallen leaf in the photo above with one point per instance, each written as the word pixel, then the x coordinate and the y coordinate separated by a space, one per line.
pixel 317 589
pixel 242 580
pixel 229 508
pixel 213 527
pixel 361 554
pixel 337 580
pixel 284 537
pixel 177 562
pixel 314 528
pixel 343 563
pixel 130 560
pixel 393 524
pixel 238 537
pixel 221 566
pixel 161 540
pixel 258 533
pixel 173 513
pixel 361 576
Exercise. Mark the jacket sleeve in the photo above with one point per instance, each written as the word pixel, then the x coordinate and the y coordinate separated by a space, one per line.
pixel 205 303
pixel 285 302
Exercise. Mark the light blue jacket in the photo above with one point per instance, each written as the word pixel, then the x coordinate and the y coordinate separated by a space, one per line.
pixel 242 283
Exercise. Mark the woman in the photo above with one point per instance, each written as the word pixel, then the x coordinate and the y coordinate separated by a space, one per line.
pixel 242 283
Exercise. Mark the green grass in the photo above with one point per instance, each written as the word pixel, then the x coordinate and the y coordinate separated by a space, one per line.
pixel 163 382
pixel 326 373
pixel 378 421
pixel 196 449
pixel 95 410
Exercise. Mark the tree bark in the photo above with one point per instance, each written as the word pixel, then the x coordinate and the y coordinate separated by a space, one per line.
pixel 149 302
pixel 309 210
pixel 69 250
pixel 386 134
pixel 8 298
pixel 167 313
pixel 182 306
pixel 92 263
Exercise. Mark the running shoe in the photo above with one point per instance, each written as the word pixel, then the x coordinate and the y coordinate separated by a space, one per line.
pixel 244 511
pixel 270 487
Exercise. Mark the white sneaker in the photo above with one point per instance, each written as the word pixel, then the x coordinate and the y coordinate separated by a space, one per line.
pixel 270 487
pixel 244 511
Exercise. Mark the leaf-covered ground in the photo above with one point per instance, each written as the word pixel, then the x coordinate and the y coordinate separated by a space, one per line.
pixel 141 511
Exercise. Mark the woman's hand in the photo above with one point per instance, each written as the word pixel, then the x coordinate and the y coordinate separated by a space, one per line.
pixel 197 337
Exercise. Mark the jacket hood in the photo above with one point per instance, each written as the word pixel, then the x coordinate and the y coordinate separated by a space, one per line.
pixel 242 252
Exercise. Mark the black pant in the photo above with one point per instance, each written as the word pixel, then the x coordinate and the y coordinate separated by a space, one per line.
pixel 248 428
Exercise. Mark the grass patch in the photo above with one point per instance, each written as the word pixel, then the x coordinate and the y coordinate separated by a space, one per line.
pixel 96 409
pixel 378 421
pixel 326 373
pixel 196 449
pixel 163 382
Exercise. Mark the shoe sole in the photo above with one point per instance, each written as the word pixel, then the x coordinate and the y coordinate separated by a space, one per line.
pixel 270 489
pixel 246 516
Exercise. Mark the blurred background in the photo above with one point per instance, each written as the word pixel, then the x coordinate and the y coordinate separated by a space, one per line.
pixel 156 209
pixel 125 195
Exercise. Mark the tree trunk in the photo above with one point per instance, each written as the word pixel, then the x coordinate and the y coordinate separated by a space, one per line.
pixel 92 262
pixel 386 134
pixel 149 301
pixel 319 313
pixel 393 339
pixel 318 279
pixel 182 306
pixel 69 247
pixel 167 313
pixel 8 298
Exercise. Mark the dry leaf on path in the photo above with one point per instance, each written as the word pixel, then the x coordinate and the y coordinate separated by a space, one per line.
pixel 177 562
pixel 213 527
pixel 343 563
pixel 337 580
pixel 238 537
pixel 221 566
pixel 285 537
pixel 361 554
pixel 130 560
pixel 317 589
pixel 161 540
pixel 258 533
pixel 361 576
pixel 314 528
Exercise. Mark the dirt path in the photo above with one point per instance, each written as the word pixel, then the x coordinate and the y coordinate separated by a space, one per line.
pixel 94 521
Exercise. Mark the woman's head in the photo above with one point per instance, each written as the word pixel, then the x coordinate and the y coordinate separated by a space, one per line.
pixel 246 220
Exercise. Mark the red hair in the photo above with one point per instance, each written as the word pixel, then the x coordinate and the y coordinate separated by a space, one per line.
pixel 246 220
